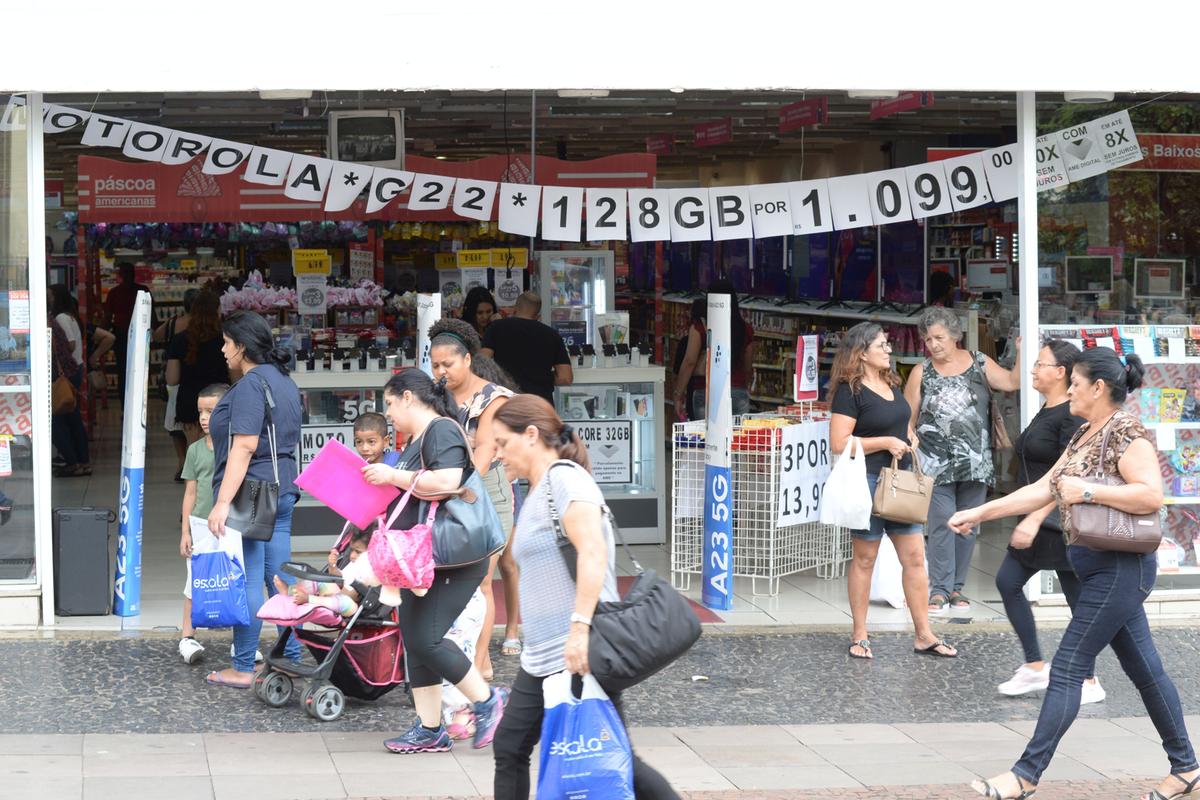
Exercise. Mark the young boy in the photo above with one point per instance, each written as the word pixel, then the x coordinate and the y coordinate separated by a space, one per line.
pixel 198 467
pixel 371 439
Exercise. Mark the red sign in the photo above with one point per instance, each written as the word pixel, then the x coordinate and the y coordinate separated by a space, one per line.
pixel 661 144
pixel 906 101
pixel 54 193
pixel 1174 152
pixel 942 153
pixel 802 114
pixel 718 131
pixel 121 191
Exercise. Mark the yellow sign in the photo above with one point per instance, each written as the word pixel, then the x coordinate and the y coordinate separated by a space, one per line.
pixel 474 258
pixel 187 264
pixel 519 256
pixel 311 262
pixel 445 261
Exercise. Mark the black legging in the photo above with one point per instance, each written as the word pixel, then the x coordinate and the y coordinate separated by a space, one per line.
pixel 520 730
pixel 1010 580
pixel 424 622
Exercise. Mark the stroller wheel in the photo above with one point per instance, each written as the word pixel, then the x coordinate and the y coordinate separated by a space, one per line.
pixel 273 688
pixel 324 701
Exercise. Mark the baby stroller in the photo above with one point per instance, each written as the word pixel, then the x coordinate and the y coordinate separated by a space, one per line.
pixel 361 656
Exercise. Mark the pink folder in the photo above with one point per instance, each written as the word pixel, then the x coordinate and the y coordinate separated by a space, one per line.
pixel 335 478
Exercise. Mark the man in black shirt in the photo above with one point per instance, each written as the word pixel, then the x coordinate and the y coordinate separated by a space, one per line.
pixel 532 352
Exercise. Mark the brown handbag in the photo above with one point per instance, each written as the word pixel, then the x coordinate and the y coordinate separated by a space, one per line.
pixel 62 396
pixel 903 495
pixel 1102 527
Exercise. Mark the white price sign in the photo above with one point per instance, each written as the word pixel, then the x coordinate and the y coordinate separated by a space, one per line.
pixel 810 207
pixel 968 182
pixel 888 194
pixel 610 447
pixel 804 457
pixel 928 189
pixel 362 264
pixel 1003 171
pixel 314 437
pixel 312 294
pixel 1051 171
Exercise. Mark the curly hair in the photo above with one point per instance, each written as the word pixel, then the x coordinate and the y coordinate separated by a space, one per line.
pixel 456 333
pixel 848 366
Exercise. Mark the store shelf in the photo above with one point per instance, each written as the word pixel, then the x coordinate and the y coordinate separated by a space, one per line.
pixel 1181 501
pixel 786 337
pixel 773 367
pixel 780 400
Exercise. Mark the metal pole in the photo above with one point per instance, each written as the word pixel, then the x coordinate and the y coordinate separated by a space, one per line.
pixel 1027 242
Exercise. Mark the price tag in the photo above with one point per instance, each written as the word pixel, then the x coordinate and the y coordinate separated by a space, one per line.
pixel 928 189
pixel 811 212
pixel 968 181
pixel 804 457
pixel 467 259
pixel 888 193
pixel 851 206
pixel 1003 172
pixel 312 294
pixel 311 262
pixel 187 264
pixel 512 257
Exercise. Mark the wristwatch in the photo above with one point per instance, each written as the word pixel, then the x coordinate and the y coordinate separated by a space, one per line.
pixel 1088 494
pixel 577 617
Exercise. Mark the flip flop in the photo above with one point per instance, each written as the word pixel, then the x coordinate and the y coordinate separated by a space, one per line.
pixel 215 679
pixel 511 647
pixel 864 644
pixel 932 650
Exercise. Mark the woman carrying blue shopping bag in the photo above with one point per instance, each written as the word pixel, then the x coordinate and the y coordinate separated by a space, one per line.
pixel 556 612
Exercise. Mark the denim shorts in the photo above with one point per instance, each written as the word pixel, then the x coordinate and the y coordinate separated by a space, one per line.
pixel 880 526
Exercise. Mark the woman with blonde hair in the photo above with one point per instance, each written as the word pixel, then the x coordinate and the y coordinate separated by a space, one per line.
pixel 867 404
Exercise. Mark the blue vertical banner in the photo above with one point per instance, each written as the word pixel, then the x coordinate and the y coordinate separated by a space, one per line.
pixel 716 592
pixel 429 311
pixel 127 586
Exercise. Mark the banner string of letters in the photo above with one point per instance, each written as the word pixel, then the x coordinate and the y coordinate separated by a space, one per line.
pixel 641 215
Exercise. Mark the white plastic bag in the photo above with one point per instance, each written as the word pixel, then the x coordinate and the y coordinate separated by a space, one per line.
pixel 887 585
pixel 846 500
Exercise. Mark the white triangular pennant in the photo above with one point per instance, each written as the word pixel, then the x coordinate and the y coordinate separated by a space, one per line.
pixel 225 156
pixel 104 131
pixel 183 147
pixel 729 210
pixel 562 213
pixel 430 193
pixel 606 215
pixel 267 167
pixel 346 183
pixel 689 215
pixel 648 215
pixel 386 186
pixel 57 119
pixel 770 211
pixel 146 142
pixel 519 208
pixel 475 199
pixel 308 178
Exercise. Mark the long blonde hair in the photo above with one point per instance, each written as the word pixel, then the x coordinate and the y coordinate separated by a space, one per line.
pixel 848 366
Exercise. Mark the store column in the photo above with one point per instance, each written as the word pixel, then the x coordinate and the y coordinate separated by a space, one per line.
pixel 1027 241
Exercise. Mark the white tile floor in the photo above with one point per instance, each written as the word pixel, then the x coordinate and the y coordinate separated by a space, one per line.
pixel 803 599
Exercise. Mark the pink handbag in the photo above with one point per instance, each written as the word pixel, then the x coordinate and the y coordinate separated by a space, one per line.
pixel 403 558
pixel 335 478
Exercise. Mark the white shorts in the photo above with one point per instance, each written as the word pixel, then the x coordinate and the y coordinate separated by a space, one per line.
pixel 187 587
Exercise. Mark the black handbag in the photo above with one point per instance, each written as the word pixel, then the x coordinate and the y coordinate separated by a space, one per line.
pixel 640 634
pixel 253 509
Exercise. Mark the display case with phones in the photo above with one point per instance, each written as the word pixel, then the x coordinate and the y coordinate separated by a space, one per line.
pixel 576 285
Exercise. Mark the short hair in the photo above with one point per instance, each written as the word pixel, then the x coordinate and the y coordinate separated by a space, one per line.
pixel 940 316
pixel 371 421
pixel 530 301
pixel 126 270
pixel 217 390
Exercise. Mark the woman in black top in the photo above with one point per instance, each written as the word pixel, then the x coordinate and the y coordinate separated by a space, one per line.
pixel 867 404
pixel 417 408
pixel 1037 541
pixel 194 360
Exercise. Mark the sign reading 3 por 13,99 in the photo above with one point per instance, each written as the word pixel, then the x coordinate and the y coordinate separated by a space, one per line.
pixel 804 466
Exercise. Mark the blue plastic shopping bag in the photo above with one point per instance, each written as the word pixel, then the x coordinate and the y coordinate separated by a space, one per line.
pixel 585 749
pixel 218 591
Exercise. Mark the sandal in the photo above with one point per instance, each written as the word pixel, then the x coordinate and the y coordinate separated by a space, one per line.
pixel 937 603
pixel 511 647
pixel 992 793
pixel 1188 788
pixel 932 650
pixel 959 600
pixel 865 646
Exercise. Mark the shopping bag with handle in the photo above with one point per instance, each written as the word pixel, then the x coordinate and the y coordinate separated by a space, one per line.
pixel 585 749
pixel 218 582
pixel 846 499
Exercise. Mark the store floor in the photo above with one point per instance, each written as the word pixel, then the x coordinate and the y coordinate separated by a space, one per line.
pixel 803 599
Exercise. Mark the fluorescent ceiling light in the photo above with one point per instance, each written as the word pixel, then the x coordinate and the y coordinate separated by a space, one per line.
pixel 1088 97
pixel 873 94
pixel 285 94
pixel 583 92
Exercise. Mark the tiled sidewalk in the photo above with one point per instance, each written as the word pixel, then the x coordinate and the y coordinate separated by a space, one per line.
pixel 1098 759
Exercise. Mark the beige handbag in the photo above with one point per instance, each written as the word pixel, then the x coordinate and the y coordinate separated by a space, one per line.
pixel 1103 527
pixel 903 495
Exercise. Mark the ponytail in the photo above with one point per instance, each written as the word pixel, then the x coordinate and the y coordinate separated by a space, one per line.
pixel 571 447
pixel 529 410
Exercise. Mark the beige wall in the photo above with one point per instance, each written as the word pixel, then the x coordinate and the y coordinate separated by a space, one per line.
pixel 845 159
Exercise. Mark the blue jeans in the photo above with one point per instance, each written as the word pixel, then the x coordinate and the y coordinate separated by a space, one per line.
pixel 263 560
pixel 1109 611
pixel 1010 581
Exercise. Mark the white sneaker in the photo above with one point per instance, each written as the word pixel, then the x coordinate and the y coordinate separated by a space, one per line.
pixel 190 650
pixel 1092 692
pixel 258 656
pixel 1025 680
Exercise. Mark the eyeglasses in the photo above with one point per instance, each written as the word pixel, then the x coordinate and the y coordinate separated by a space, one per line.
pixel 1040 364
pixel 885 345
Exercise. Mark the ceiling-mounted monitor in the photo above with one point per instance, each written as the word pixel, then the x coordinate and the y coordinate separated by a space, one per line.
pixel 372 137
pixel 1089 274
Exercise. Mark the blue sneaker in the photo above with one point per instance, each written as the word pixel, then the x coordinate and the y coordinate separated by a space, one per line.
pixel 487 717
pixel 419 739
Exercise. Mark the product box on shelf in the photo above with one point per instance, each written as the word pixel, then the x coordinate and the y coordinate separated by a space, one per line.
pixel 1185 486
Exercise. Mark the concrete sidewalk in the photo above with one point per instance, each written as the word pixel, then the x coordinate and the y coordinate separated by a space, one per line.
pixel 1098 759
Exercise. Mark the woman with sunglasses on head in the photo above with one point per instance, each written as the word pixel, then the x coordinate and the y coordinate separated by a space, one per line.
pixel 1037 541
pixel 1114 585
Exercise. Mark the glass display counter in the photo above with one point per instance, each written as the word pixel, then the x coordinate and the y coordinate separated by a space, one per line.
pixel 618 412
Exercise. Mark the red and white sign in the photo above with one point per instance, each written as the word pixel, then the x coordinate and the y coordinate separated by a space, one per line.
pixel 717 131
pixel 906 101
pixel 1169 152
pixel 120 191
pixel 54 193
pixel 803 114
pixel 661 144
